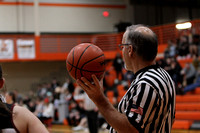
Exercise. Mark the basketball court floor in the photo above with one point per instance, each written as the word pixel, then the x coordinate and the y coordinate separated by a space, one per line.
pixel 67 129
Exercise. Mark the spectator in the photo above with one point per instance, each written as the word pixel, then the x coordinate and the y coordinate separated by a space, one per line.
pixel 175 74
pixel 50 88
pixel 42 91
pixel 118 64
pixel 194 42
pixel 183 46
pixel 189 74
pixel 129 76
pixel 21 103
pixel 161 62
pixel 68 85
pixel 193 86
pixel 39 107
pixel 91 113
pixel 39 90
pixel 10 98
pixel 195 61
pixel 167 66
pixel 32 106
pixel 18 96
pixel 63 108
pixel 82 125
pixel 171 50
pixel 76 113
pixel 48 110
pixel 54 83
pixel 56 101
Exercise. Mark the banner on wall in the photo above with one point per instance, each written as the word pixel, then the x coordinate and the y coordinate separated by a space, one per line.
pixel 6 49
pixel 26 48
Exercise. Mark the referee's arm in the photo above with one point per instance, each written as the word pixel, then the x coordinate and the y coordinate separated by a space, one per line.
pixel 117 120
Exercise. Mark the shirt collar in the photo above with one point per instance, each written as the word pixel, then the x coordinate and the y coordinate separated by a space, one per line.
pixel 145 69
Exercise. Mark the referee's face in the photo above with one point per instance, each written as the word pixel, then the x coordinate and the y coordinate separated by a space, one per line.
pixel 125 52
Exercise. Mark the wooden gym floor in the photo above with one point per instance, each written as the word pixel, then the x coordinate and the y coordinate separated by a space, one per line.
pixel 67 129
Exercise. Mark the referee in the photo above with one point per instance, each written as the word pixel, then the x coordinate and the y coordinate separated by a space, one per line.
pixel 149 104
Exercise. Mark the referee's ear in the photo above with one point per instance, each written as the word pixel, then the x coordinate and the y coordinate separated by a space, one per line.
pixel 2 82
pixel 130 51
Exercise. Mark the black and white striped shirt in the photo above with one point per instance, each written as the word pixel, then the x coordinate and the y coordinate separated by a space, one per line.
pixel 149 103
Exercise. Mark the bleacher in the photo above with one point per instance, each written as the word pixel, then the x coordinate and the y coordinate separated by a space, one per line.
pixel 188 110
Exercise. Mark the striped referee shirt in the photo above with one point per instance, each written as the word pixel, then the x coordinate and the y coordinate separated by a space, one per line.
pixel 149 103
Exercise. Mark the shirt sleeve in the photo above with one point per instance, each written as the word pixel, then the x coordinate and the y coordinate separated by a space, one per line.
pixel 143 102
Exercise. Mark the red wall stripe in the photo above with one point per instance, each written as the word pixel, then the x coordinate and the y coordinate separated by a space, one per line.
pixel 65 5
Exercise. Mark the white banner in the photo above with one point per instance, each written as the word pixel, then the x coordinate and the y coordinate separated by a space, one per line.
pixel 6 49
pixel 26 48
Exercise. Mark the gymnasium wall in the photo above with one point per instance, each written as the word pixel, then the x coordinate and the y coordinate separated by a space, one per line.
pixel 24 76
pixel 78 19
pixel 8 17
pixel 61 16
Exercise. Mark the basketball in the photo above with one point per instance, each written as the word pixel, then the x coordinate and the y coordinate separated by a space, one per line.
pixel 84 60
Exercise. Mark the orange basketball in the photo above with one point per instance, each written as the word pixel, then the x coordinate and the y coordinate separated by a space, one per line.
pixel 84 60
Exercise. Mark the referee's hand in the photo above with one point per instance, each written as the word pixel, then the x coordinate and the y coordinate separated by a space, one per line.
pixel 94 90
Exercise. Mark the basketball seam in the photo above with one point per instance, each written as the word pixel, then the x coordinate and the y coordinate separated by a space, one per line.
pixel 83 69
pixel 80 58
pixel 90 61
pixel 72 60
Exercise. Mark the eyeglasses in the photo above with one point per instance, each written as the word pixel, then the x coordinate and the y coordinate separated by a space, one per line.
pixel 121 46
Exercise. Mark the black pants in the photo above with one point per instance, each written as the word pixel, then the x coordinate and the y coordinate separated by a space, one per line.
pixel 92 117
pixel 190 80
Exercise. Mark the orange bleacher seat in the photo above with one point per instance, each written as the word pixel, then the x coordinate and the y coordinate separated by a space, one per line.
pixel 108 65
pixel 188 106
pixel 110 78
pixel 162 47
pixel 194 92
pixel 197 90
pixel 188 98
pixel 121 92
pixel 182 124
pixel 182 62
pixel 187 109
pixel 187 115
pixel 65 122
pixel 110 96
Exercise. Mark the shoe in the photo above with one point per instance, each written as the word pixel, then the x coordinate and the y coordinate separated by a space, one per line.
pixel 104 126
pixel 86 130
pixel 78 128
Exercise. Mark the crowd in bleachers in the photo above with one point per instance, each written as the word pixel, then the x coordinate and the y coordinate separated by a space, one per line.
pixel 187 46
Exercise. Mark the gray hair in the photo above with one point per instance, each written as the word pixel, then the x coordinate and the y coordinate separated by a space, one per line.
pixel 144 42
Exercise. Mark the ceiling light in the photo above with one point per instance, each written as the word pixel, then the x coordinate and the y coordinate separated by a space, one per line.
pixel 186 25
